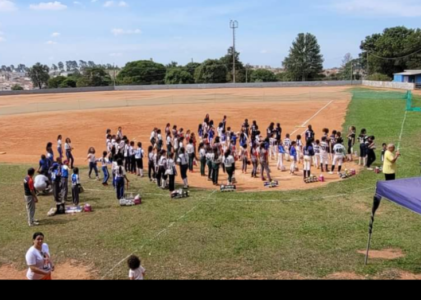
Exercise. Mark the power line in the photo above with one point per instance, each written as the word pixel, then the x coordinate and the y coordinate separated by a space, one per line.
pixel 393 58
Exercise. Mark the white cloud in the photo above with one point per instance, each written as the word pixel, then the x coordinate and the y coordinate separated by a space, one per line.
pixel 55 34
pixel 118 31
pixel 77 3
pixel 116 54
pixel 51 43
pixel 7 6
pixel 48 6
pixel 390 8
pixel 109 4
pixel 2 39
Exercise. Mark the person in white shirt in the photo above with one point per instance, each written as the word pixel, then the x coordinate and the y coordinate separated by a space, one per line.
pixel 137 272
pixel 119 133
pixel 171 171
pixel 39 260
pixel 272 146
pixel 202 156
pixel 162 163
pixel 183 161
pixel 190 152
pixel 324 154
pixel 132 156
pixel 42 184
pixel 152 138
pixel 68 148
pixel 169 142
pixel 151 164
pixel 229 165
pixel 339 154
pixel 120 175
pixel 92 162
pixel 139 159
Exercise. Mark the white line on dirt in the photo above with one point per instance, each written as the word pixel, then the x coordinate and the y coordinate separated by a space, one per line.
pixel 316 114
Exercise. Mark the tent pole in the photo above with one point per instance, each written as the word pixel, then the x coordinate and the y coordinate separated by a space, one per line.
pixel 376 204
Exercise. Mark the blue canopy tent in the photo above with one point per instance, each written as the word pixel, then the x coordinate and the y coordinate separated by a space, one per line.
pixel 404 192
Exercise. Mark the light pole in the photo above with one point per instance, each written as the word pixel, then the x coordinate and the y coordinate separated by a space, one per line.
pixel 233 26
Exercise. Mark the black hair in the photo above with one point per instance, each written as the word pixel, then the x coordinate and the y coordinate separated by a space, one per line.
pixel 75 170
pixel 31 172
pixel 37 234
pixel 150 149
pixel 104 154
pixel 59 137
pixel 120 165
pixel 139 145
pixel 227 153
pixel 43 157
pixel 182 150
pixel 132 143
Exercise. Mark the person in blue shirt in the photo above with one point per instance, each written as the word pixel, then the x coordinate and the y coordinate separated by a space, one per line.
pixel 293 157
pixel 44 166
pixel 75 186
pixel 281 153
pixel 65 180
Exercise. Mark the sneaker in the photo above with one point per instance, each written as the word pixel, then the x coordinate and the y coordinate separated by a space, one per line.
pixel 34 224
pixel 330 173
pixel 370 169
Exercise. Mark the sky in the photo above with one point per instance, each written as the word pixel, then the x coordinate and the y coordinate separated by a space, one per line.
pixel 117 31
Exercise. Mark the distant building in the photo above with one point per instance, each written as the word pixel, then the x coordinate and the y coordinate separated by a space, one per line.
pixel 409 76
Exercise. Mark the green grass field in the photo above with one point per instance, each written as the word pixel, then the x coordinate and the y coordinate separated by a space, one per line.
pixel 211 235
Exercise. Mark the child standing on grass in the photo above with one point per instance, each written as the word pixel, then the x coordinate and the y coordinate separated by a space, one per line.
pixel 75 186
pixel 65 180
pixel 351 141
pixel 202 156
pixel 92 162
pixel 151 164
pixel 137 272
pixel 371 154
pixel 120 179
pixel 139 159
pixel 104 162
pixel 384 146
pixel 132 157
pixel 363 149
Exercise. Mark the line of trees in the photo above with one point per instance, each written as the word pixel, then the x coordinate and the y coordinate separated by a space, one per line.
pixel 304 63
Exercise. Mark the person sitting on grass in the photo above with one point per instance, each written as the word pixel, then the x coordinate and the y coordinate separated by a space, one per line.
pixel 137 272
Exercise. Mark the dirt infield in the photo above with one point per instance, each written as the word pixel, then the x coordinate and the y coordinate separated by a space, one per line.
pixel 26 135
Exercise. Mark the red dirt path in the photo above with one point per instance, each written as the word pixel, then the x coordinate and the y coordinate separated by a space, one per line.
pixel 25 136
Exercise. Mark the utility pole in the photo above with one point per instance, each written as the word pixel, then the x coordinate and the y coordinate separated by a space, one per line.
pixel 368 66
pixel 233 26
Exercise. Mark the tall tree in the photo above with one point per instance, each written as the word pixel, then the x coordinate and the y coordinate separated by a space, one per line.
pixel 83 64
pixel 91 64
pixel 392 51
pixel 142 72
pixel 191 67
pixel 172 64
pixel 347 67
pixel 263 75
pixel 94 77
pixel 211 71
pixel 304 61
pixel 39 75
pixel 61 66
pixel 228 61
pixel 178 76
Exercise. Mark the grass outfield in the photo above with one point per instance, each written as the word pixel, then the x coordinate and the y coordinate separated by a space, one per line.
pixel 313 233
